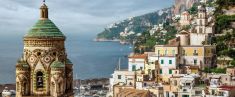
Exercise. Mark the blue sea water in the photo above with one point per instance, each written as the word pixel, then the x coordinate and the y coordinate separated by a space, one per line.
pixel 91 59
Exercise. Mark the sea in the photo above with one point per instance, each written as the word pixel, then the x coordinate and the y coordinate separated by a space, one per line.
pixel 91 59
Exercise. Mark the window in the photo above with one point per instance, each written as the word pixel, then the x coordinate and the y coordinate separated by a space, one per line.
pixel 149 71
pixel 198 92
pixel 170 71
pixel 162 61
pixel 184 61
pixel 119 76
pixel 195 53
pixel 39 79
pixel 183 52
pixel 165 52
pixel 185 95
pixel 158 52
pixel 167 94
pixel 200 30
pixel 173 52
pixel 160 71
pixel 195 61
pixel 187 84
pixel 133 67
pixel 175 82
pixel 170 61
pixel 213 92
pixel 145 84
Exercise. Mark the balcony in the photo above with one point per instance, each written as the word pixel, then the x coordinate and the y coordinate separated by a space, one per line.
pixel 195 54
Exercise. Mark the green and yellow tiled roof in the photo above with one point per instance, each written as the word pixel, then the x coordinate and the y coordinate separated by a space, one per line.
pixel 22 64
pixel 57 64
pixel 68 62
pixel 45 28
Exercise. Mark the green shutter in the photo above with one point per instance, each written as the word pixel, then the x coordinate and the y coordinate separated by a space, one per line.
pixel 162 61
pixel 170 71
pixel 160 71
pixel 133 68
pixel 170 61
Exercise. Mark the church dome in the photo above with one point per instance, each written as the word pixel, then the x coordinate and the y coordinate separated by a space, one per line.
pixel 44 28
pixel 57 64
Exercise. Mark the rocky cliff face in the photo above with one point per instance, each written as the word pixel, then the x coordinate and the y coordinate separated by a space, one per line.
pixel 182 5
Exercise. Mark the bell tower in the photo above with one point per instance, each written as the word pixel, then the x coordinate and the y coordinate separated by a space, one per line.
pixel 44 69
pixel 202 19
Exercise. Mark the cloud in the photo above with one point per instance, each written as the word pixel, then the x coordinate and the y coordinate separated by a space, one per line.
pixel 73 16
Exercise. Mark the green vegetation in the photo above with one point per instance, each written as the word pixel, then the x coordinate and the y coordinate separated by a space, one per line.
pixel 214 70
pixel 225 3
pixel 146 42
pixel 137 24
pixel 223 22
pixel 193 10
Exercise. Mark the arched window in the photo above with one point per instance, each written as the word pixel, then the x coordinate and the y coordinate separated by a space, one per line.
pixel 39 79
pixel 200 30
pixel 200 22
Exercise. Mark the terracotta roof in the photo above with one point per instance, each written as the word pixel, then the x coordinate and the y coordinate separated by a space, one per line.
pixel 183 32
pixel 185 13
pixel 227 87
pixel 174 42
pixel 134 93
pixel 139 56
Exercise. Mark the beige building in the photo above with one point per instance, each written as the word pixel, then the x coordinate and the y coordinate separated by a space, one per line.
pixel 185 19
pixel 44 69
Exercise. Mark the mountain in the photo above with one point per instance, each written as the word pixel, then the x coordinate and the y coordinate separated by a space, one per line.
pixel 134 25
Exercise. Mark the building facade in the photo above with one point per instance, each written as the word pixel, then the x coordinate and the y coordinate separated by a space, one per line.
pixel 44 69
pixel 136 62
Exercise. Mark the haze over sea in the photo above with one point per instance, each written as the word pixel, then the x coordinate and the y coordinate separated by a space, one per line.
pixel 90 59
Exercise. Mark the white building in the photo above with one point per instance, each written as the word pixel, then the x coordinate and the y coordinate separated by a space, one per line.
pixel 156 28
pixel 136 62
pixel 122 76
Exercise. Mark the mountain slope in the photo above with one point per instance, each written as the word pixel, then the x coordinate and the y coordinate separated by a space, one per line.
pixel 135 25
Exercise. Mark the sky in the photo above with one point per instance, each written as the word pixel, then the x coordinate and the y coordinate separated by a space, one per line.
pixel 73 16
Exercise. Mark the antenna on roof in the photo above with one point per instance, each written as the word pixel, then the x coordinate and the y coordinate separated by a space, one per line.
pixel 119 64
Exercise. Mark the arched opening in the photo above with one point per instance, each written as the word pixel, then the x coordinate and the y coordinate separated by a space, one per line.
pixel 200 22
pixel 39 79
pixel 18 86
pixel 200 30
pixel 25 88
pixel 52 88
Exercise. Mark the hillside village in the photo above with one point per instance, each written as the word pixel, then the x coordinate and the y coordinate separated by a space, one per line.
pixel 197 62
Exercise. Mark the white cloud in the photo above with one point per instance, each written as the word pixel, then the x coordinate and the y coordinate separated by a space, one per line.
pixel 17 16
